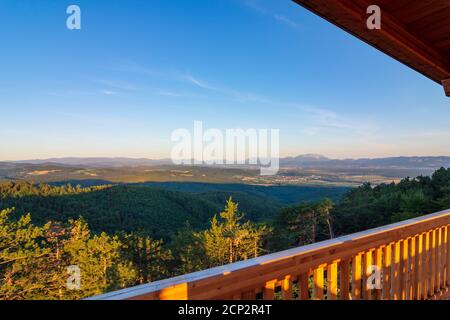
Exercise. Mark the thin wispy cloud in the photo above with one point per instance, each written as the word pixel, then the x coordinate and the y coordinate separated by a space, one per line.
pixel 197 82
pixel 141 87
pixel 109 93
pixel 311 131
pixel 72 93
pixel 258 7
pixel 286 20
pixel 79 94
pixel 120 85
pixel 86 118
pixel 133 67
pixel 231 92
pixel 174 94
pixel 316 120
pixel 169 93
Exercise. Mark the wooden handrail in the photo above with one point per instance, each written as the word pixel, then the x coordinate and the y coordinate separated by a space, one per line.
pixel 401 261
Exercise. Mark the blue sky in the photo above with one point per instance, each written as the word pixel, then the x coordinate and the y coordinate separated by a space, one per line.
pixel 137 70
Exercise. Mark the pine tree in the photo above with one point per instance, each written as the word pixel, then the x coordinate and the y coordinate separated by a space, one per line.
pixel 229 240
pixel 21 253
pixel 98 257
pixel 303 224
pixel 149 257
pixel 188 251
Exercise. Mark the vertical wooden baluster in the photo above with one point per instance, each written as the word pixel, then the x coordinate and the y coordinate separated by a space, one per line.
pixel 356 277
pixel 433 263
pixel 396 277
pixel 332 276
pixel 387 269
pixel 419 268
pixel 249 295
pixel 379 264
pixel 438 258
pixel 367 292
pixel 447 232
pixel 269 290
pixel 318 283
pixel 345 280
pixel 286 288
pixel 443 258
pixel 237 296
pixel 303 286
pixel 404 269
pixel 447 256
pixel 412 269
pixel 427 266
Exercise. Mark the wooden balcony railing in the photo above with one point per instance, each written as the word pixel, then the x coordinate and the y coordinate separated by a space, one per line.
pixel 401 261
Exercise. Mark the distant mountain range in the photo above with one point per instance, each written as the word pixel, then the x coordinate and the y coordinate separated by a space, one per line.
pixel 99 162
pixel 319 161
pixel 308 161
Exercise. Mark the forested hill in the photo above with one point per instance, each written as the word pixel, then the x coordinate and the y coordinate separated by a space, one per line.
pixel 152 211
pixel 155 209
pixel 369 207
pixel 35 252
pixel 285 194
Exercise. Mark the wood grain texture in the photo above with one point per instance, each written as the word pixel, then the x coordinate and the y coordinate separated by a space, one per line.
pixel 414 32
pixel 244 279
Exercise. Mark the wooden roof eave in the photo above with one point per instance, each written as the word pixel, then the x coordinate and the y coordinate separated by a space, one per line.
pixel 392 39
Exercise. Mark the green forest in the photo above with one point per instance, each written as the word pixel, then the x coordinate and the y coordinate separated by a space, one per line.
pixel 122 235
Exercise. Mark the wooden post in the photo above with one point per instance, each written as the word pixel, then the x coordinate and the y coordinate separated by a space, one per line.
pixel 443 258
pixel 237 296
pixel 448 254
pixel 332 276
pixel 419 268
pixel 356 277
pixel 387 272
pixel 438 258
pixel 303 285
pixel 286 288
pixel 379 264
pixel 269 290
pixel 368 262
pixel 427 266
pixel 318 283
pixel 412 292
pixel 345 279
pixel 433 263
pixel 404 270
pixel 396 280
pixel 249 295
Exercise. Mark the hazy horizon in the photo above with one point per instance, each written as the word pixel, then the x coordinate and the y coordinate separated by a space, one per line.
pixel 168 158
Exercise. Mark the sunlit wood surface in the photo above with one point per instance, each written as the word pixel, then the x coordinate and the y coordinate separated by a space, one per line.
pixel 410 258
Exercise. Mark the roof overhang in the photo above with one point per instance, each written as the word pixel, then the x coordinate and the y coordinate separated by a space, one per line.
pixel 415 32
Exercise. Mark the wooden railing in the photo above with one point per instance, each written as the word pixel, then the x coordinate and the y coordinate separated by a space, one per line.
pixel 401 261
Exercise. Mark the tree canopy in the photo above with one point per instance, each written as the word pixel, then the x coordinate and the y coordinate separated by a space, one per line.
pixel 118 236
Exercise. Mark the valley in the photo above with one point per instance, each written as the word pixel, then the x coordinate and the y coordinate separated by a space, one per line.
pixel 306 170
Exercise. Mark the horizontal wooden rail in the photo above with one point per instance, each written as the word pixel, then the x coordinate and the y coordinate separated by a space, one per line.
pixel 402 261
